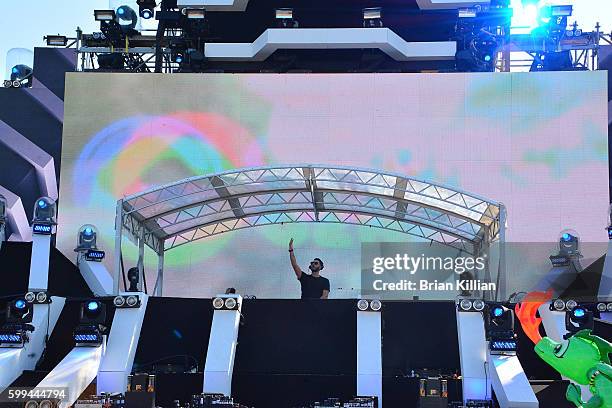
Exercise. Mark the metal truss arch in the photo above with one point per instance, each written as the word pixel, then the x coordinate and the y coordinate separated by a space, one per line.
pixel 194 208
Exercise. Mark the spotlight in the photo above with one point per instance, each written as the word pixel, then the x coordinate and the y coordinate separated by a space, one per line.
pixel 133 276
pixel 129 301
pixel 230 303
pixel 499 322
pixel 132 301
pixel 56 40
pixel 37 297
pixel 87 238
pixel 479 305
pixel 119 301
pixel 16 84
pixel 93 312
pixel 146 14
pixel 20 72
pixel 44 211
pixel 558 305
pixel 375 305
pixel 465 304
pixel 30 297
pixel 194 13
pixel 578 318
pixel 104 15
pixel 372 17
pixel 218 303
pixel 571 304
pixel 146 8
pixel 19 311
pixel 362 305
pixel 601 307
pixel 284 18
pixel 609 307
pixel 8 83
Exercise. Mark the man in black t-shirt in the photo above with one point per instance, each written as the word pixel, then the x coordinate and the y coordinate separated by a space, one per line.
pixel 314 286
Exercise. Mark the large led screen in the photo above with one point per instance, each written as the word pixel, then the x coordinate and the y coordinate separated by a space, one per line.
pixel 536 142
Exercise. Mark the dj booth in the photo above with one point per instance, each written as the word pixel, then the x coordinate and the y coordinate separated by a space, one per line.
pixel 293 352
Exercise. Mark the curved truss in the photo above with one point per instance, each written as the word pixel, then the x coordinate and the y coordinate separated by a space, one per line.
pixel 191 209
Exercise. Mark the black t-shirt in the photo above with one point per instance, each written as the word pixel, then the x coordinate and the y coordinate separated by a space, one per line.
pixel 312 288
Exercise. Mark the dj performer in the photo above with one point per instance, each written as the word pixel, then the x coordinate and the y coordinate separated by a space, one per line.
pixel 314 286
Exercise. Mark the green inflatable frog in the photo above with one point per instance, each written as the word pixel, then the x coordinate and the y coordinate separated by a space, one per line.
pixel 583 358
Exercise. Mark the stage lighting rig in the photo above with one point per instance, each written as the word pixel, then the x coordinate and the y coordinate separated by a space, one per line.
pixel 499 322
pixel 14 333
pixel 37 297
pixel 363 305
pixel 469 305
pixel 56 40
pixel 92 322
pixel 228 303
pixel 569 248
pixel 126 301
pixel 372 17
pixel 21 76
pixel 44 216
pixel 578 318
pixel 146 8
pixel 87 243
pixel 284 18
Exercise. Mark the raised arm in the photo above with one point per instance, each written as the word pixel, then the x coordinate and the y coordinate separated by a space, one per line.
pixel 294 264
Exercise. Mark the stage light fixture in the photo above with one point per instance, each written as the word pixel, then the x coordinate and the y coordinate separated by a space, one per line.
pixel 56 40
pixel 362 305
pixel 465 304
pixel 558 305
pixel 93 312
pixel 609 307
pixel 19 311
pixel 37 297
pixel 8 83
pixel 284 18
pixel 30 297
pixel 44 211
pixel 478 305
pixel 16 84
pixel 126 301
pixel 146 8
pixel 602 307
pixel 372 17
pixel 87 238
pixel 194 13
pixel 571 304
pixel 87 336
pixel 499 322
pixel 230 303
pixel 104 15
pixel 14 335
pixel 578 318
pixel 375 305
pixel 132 300
pixel 218 303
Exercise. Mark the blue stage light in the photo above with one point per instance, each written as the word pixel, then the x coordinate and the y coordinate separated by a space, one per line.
pixel 566 237
pixel 20 304
pixel 579 312
pixel 498 311
pixel 120 11
pixel 88 231
pixel 487 58
pixel 179 59
pixel 93 306
pixel 42 204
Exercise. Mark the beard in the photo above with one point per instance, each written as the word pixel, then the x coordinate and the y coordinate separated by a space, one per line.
pixel 313 269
